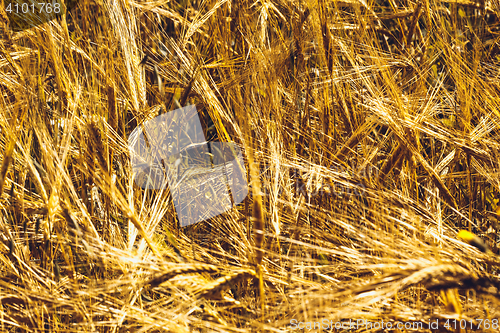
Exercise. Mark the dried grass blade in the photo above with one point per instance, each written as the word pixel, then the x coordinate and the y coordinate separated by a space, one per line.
pixel 7 160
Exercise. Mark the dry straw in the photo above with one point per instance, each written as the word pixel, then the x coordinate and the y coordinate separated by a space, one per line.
pixel 370 135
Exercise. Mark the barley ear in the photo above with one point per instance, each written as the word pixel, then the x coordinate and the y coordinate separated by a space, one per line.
pixel 197 268
pixel 213 291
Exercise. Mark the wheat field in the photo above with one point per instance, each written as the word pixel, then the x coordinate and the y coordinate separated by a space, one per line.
pixel 371 137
